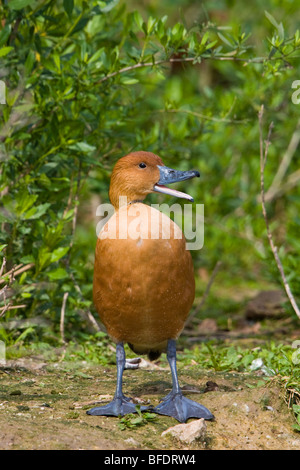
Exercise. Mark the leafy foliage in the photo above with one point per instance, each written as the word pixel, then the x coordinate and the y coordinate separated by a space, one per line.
pixel 87 82
pixel 131 420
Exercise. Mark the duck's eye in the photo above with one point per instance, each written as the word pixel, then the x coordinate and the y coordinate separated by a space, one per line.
pixel 142 165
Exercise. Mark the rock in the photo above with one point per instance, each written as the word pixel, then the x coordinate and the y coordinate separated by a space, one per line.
pixel 211 387
pixel 187 433
pixel 132 442
pixel 267 304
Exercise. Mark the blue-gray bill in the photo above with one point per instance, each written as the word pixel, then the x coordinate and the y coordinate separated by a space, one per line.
pixel 169 176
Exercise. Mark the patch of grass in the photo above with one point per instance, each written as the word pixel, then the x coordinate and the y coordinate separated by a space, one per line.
pixel 97 349
pixel 272 359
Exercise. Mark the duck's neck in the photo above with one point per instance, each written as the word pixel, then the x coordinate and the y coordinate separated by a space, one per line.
pixel 120 197
pixel 125 201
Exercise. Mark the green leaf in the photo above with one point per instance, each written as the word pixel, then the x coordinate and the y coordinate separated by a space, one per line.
pixel 211 45
pixel 204 38
pixel 37 211
pixel 109 6
pixel 57 274
pixel 225 40
pixel 24 202
pixel 59 253
pixel 18 4
pixel 82 147
pixel 25 333
pixel 271 19
pixel 5 50
pixel 2 247
pixel 29 62
pixel 26 295
pixel 150 25
pixel 12 97
pixel 44 258
pixel 27 259
pixel 296 409
pixel 96 55
pixel 138 19
pixel 129 81
pixel 4 34
pixel 68 6
pixel 278 26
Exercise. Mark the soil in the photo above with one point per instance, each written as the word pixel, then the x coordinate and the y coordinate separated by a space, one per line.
pixel 43 406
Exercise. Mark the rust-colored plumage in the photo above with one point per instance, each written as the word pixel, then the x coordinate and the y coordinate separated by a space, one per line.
pixel 143 287
pixel 143 277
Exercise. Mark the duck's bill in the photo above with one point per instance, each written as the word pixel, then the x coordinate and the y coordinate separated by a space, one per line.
pixel 172 192
pixel 169 176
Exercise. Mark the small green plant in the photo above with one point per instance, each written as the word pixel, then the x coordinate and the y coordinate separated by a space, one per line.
pixel 132 421
pixel 296 410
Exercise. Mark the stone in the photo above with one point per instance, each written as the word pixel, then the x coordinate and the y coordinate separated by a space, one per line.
pixel 267 304
pixel 188 432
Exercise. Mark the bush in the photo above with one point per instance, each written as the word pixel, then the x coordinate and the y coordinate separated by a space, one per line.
pixel 87 82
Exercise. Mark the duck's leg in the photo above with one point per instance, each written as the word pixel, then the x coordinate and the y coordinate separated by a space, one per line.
pixel 120 405
pixel 175 404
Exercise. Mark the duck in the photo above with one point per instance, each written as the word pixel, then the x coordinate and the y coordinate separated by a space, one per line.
pixel 144 284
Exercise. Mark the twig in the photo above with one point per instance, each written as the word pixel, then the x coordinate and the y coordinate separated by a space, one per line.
pixel 263 159
pixel 257 60
pixel 15 271
pixel 288 155
pixel 62 317
pixel 2 266
pixel 11 272
pixel 203 116
pixel 3 293
pixel 24 268
pixel 4 309
pixel 74 221
pixel 206 292
pixel 144 64
pixel 292 181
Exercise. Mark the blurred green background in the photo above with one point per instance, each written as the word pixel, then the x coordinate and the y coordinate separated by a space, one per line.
pixel 79 96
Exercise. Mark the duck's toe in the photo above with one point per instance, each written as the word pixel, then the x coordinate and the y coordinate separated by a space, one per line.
pixel 117 407
pixel 182 408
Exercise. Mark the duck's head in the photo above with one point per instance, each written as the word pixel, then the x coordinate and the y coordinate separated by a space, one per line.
pixel 141 173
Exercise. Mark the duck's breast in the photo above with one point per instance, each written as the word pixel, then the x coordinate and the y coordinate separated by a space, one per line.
pixel 143 279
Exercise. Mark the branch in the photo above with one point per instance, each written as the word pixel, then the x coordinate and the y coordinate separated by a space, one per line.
pixel 203 116
pixel 4 309
pixel 263 159
pixel 62 317
pixel 257 60
pixel 292 181
pixel 2 266
pixel 144 64
pixel 15 271
pixel 286 160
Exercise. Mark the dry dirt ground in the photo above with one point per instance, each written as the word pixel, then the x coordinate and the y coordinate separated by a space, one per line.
pixel 43 406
